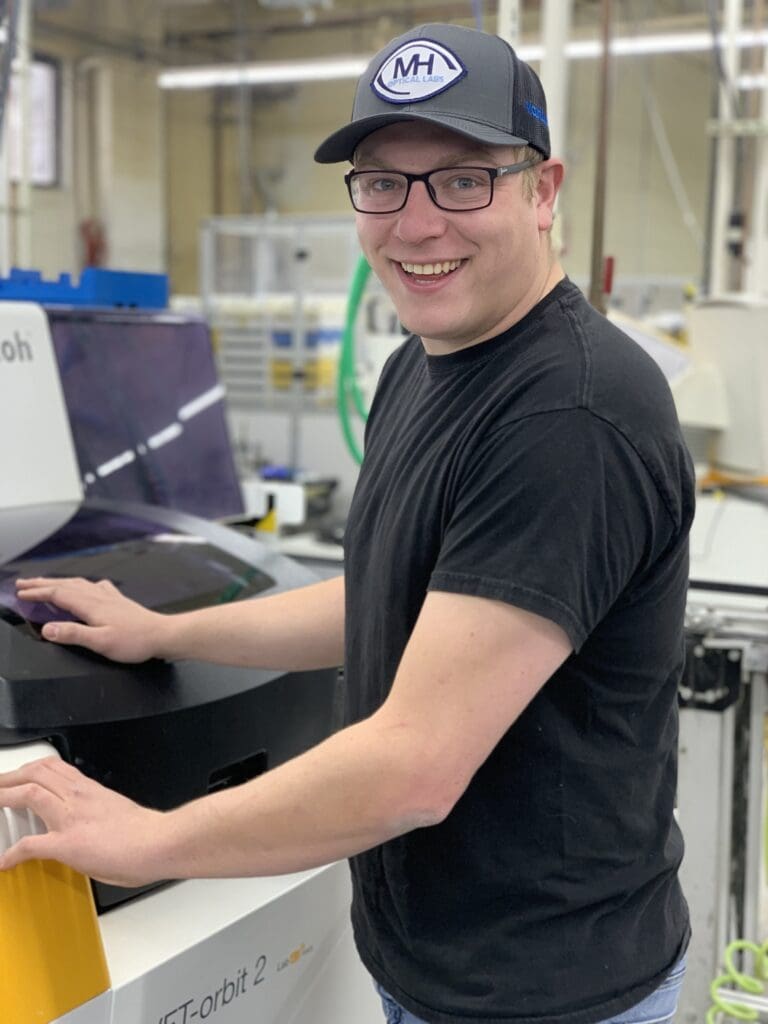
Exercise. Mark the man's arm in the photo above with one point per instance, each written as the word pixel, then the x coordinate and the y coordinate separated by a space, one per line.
pixel 470 668
pixel 298 629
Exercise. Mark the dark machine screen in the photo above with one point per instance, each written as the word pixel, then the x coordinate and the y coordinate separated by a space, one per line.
pixel 146 410
pixel 163 570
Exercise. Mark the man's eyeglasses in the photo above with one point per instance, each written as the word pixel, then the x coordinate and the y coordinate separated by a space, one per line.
pixel 450 188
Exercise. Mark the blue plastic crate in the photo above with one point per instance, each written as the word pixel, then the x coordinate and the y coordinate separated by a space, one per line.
pixel 97 287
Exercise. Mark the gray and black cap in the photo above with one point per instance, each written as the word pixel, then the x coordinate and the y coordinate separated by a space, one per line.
pixel 463 79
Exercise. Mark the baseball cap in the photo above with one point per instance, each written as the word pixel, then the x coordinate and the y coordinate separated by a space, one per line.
pixel 461 78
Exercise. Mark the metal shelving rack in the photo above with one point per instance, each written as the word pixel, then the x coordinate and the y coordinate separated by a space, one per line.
pixel 273 289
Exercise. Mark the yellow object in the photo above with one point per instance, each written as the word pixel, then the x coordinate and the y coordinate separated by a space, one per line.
pixel 717 478
pixel 51 956
pixel 281 371
pixel 311 373
pixel 268 522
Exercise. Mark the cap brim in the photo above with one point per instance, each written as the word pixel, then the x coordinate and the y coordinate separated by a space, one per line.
pixel 343 143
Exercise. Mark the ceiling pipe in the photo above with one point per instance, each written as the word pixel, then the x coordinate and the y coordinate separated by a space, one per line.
pixel 596 289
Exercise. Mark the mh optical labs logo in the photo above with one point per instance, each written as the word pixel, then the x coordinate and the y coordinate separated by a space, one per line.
pixel 417 71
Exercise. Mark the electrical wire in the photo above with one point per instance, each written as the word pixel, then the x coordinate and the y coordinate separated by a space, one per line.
pixel 671 168
pixel 664 147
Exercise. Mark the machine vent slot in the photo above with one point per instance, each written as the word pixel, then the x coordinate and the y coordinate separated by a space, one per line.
pixel 238 772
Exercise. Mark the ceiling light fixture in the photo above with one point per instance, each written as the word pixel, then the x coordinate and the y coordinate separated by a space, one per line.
pixel 328 69
pixel 747 82
pixel 272 73
pixel 633 46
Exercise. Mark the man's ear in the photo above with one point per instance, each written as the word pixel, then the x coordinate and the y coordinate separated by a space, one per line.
pixel 550 178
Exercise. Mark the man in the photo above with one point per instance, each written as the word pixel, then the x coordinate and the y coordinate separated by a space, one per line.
pixel 510 618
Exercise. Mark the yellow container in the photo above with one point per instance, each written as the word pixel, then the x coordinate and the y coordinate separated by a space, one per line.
pixel 51 955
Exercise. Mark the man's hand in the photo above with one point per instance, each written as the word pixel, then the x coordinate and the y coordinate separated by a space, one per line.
pixel 111 625
pixel 93 829
pixel 471 667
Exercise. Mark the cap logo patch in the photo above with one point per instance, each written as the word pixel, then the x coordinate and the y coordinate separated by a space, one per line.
pixel 417 71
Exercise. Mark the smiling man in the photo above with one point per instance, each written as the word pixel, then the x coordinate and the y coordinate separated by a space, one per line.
pixel 510 618
pixel 443 273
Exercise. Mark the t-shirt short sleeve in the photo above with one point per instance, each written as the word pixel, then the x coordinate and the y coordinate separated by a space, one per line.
pixel 556 514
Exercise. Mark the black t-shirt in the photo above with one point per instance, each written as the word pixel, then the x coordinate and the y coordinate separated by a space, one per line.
pixel 545 468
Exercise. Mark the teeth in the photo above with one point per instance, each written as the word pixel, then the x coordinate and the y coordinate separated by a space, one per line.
pixel 430 269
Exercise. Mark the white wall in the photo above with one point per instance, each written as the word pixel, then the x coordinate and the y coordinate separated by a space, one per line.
pixel 112 143
pixel 644 226
pixel 135 193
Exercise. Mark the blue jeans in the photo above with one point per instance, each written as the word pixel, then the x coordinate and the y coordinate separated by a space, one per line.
pixel 657 1008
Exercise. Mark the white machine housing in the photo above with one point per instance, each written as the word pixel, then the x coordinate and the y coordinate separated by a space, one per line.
pixel 727 387
pixel 277 950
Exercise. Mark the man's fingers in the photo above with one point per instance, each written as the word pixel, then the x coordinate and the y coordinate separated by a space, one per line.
pixel 91 828
pixel 93 637
pixel 46 583
pixel 30 848
pixel 35 797
pixel 109 622
pixel 42 592
pixel 38 788
pixel 73 593
pixel 43 595
pixel 52 772
pixel 47 781
pixel 25 582
pixel 83 599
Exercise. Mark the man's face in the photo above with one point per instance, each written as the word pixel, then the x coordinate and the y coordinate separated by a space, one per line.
pixel 497 259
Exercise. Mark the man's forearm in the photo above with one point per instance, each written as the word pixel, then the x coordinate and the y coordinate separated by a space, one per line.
pixel 366 784
pixel 359 788
pixel 298 629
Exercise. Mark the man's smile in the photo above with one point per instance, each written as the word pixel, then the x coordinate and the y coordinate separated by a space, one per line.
pixel 425 275
pixel 427 269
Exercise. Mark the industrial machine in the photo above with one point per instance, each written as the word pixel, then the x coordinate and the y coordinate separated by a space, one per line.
pixel 720 383
pixel 719 380
pixel 723 697
pixel 235 950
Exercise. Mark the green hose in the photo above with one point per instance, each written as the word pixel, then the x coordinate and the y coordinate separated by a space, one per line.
pixel 738 981
pixel 347 386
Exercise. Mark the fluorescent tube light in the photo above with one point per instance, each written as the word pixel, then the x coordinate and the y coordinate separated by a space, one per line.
pixel 270 73
pixel 326 69
pixel 746 82
pixel 629 46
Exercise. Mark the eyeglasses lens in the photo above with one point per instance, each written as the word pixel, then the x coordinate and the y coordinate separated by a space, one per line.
pixel 451 188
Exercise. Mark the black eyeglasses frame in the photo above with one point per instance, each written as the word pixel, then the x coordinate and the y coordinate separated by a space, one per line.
pixel 494 172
